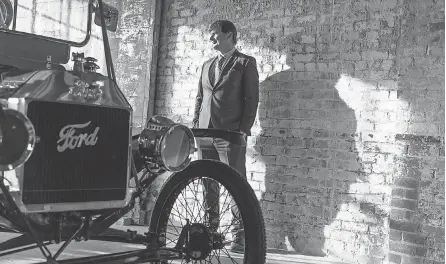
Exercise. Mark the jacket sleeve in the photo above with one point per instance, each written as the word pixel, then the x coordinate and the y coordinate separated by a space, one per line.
pixel 250 88
pixel 198 100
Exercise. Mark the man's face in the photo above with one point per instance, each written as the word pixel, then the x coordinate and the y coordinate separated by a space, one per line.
pixel 220 41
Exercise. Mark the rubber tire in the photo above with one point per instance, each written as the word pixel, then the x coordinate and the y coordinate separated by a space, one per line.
pixel 8 5
pixel 237 186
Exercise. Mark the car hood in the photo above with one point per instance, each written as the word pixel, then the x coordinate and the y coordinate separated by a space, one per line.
pixel 62 86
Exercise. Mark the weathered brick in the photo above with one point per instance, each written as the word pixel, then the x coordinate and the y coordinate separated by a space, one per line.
pixel 186 12
pixel 404 193
pixel 352 56
pixel 405 204
pixel 404 226
pixel 301 133
pixel 395 235
pixel 406 183
pixel 373 55
pixel 394 258
pixel 292 142
pixel 436 232
pixel 273 150
pixel 303 57
pixel 292 30
pixel 178 21
pixel 399 247
pixel 414 238
pixel 416 260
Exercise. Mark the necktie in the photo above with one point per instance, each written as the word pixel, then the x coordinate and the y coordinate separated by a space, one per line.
pixel 215 73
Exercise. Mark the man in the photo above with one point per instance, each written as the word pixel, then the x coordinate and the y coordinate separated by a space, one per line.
pixel 227 98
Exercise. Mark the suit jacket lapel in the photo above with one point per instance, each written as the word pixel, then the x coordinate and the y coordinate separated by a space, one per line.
pixel 206 70
pixel 226 67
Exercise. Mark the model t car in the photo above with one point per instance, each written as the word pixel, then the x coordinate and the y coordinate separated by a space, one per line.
pixel 67 157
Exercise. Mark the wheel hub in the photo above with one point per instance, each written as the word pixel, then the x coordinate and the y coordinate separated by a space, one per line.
pixel 199 246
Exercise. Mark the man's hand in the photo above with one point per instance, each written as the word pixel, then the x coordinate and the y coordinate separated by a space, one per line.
pixel 245 136
pixel 193 124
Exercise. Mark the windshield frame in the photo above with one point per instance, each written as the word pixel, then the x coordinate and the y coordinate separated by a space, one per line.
pixel 91 9
pixel 84 42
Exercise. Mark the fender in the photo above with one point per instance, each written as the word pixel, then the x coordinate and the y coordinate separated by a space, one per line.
pixel 233 137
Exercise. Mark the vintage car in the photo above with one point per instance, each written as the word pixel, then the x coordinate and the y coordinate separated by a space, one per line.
pixel 67 157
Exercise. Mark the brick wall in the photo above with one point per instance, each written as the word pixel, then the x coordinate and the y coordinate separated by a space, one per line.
pixel 347 153
pixel 417 215
pixel 132 54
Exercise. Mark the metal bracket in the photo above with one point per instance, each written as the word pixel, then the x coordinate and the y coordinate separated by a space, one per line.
pixel 45 251
pixel 48 62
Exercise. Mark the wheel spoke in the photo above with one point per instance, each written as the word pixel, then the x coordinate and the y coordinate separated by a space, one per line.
pixel 215 255
pixel 186 205
pixel 178 211
pixel 233 221
pixel 227 254
pixel 173 227
pixel 201 205
pixel 226 230
pixel 193 208
pixel 219 251
pixel 178 216
pixel 221 213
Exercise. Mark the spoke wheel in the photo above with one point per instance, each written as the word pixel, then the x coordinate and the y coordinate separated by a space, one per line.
pixel 213 237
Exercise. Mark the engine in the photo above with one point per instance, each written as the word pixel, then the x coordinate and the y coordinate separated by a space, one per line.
pixel 81 154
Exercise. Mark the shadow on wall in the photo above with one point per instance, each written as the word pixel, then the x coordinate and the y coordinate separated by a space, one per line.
pixel 318 200
pixel 304 152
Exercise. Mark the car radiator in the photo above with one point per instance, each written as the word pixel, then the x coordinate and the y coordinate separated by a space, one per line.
pixel 81 154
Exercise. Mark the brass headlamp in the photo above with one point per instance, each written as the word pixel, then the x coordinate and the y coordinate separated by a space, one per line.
pixel 166 143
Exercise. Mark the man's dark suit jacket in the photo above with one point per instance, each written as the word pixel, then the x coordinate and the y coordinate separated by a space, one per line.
pixel 232 103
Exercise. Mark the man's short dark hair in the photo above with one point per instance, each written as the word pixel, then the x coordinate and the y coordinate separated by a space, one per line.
pixel 225 26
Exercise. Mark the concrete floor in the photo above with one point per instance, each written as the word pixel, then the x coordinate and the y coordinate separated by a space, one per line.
pixel 90 248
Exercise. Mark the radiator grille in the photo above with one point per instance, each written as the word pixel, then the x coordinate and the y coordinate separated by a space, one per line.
pixel 86 172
